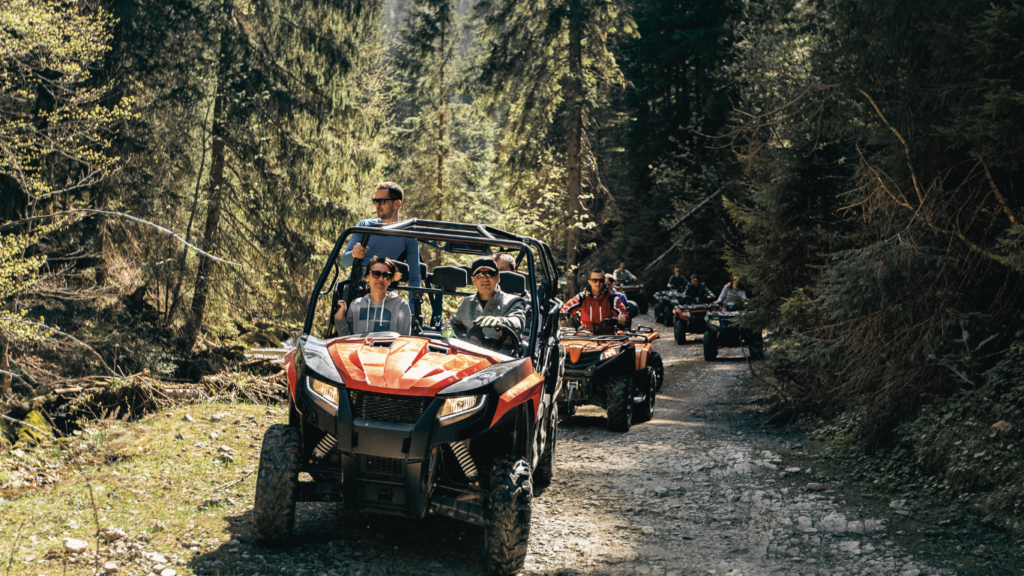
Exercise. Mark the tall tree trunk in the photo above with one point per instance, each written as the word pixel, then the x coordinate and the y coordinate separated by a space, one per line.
pixel 440 144
pixel 204 275
pixel 574 133
pixel 5 365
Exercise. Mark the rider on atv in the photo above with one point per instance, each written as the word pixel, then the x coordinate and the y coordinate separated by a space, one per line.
pixel 597 304
pixel 489 308
pixel 697 292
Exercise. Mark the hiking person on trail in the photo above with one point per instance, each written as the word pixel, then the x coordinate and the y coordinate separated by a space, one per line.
pixel 388 199
pixel 597 303
pixel 697 292
pixel 378 311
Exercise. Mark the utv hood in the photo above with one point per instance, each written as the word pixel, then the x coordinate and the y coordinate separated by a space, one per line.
pixel 410 365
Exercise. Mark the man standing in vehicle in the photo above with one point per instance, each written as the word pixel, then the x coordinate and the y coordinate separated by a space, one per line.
pixel 506 262
pixel 697 292
pixel 388 199
pixel 677 281
pixel 489 308
pixel 597 303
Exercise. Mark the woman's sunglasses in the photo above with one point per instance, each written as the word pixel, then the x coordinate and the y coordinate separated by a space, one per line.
pixel 379 274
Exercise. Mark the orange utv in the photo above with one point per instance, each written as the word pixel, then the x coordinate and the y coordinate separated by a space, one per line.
pixel 619 372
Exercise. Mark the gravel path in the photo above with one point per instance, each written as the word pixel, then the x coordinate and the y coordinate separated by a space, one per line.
pixel 698 490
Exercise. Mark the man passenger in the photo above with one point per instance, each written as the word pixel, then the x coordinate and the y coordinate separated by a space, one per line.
pixel 388 199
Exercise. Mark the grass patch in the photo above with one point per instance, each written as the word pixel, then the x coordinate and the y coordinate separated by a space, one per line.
pixel 163 480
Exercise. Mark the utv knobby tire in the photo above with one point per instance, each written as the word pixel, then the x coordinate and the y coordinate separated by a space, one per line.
pixel 545 471
pixel 509 502
pixel 654 361
pixel 710 346
pixel 620 403
pixel 645 409
pixel 273 512
pixel 680 332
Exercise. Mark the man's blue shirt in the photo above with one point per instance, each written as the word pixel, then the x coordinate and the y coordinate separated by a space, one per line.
pixel 387 246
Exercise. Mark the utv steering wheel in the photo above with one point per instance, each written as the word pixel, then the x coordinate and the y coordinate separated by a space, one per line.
pixel 496 344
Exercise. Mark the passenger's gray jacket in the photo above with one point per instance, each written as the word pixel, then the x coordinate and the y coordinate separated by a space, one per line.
pixel 365 316
pixel 512 307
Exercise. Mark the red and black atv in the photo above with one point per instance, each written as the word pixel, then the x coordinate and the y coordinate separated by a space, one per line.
pixel 635 293
pixel 422 424
pixel 691 319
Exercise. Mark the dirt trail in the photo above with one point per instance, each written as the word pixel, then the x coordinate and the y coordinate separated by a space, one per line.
pixel 698 490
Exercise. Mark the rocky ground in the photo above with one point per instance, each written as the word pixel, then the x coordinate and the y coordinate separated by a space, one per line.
pixel 700 489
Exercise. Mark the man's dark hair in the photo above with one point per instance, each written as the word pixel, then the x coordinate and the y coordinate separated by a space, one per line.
pixel 597 270
pixel 395 191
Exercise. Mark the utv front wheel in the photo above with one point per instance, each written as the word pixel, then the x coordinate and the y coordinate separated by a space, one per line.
pixel 645 409
pixel 710 346
pixel 545 470
pixel 680 332
pixel 654 361
pixel 620 403
pixel 508 516
pixel 273 512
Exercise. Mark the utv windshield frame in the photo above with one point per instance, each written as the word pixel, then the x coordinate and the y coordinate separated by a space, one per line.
pixel 458 238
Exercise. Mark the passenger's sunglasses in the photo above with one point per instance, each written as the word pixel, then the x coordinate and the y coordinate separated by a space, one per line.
pixel 379 274
pixel 595 279
pixel 380 201
pixel 485 274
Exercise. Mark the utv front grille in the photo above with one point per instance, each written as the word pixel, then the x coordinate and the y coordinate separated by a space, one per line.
pixel 378 465
pixel 387 407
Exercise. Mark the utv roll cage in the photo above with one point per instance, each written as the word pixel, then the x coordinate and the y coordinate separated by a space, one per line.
pixel 455 238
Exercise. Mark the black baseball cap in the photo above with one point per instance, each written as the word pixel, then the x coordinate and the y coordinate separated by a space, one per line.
pixel 483 262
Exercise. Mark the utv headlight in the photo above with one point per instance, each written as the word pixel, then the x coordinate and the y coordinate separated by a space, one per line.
pixel 325 389
pixel 609 353
pixel 458 405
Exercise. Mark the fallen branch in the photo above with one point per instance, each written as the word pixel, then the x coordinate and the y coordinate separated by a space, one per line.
pixel 230 484
pixel 93 211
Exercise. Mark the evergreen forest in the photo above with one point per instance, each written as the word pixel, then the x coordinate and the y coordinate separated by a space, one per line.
pixel 174 173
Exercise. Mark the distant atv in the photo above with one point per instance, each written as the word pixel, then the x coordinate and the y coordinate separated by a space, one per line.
pixel 724 331
pixel 619 372
pixel 664 302
pixel 691 319
pixel 422 424
pixel 635 293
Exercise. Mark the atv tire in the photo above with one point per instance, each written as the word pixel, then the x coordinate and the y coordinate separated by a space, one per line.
pixel 654 361
pixel 620 403
pixel 545 471
pixel 642 304
pixel 508 516
pixel 645 409
pixel 680 332
pixel 710 347
pixel 273 511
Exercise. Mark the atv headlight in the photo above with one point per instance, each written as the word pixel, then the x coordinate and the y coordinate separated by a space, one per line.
pixel 609 353
pixel 458 405
pixel 715 322
pixel 325 389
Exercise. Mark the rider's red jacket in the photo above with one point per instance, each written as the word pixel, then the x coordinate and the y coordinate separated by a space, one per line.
pixel 593 310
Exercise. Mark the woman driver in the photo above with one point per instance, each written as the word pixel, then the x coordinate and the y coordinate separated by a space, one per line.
pixel 380 310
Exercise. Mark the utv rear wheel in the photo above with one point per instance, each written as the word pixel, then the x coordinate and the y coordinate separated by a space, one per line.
pixel 620 403
pixel 545 470
pixel 680 332
pixel 508 516
pixel 710 346
pixel 273 512
pixel 654 361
